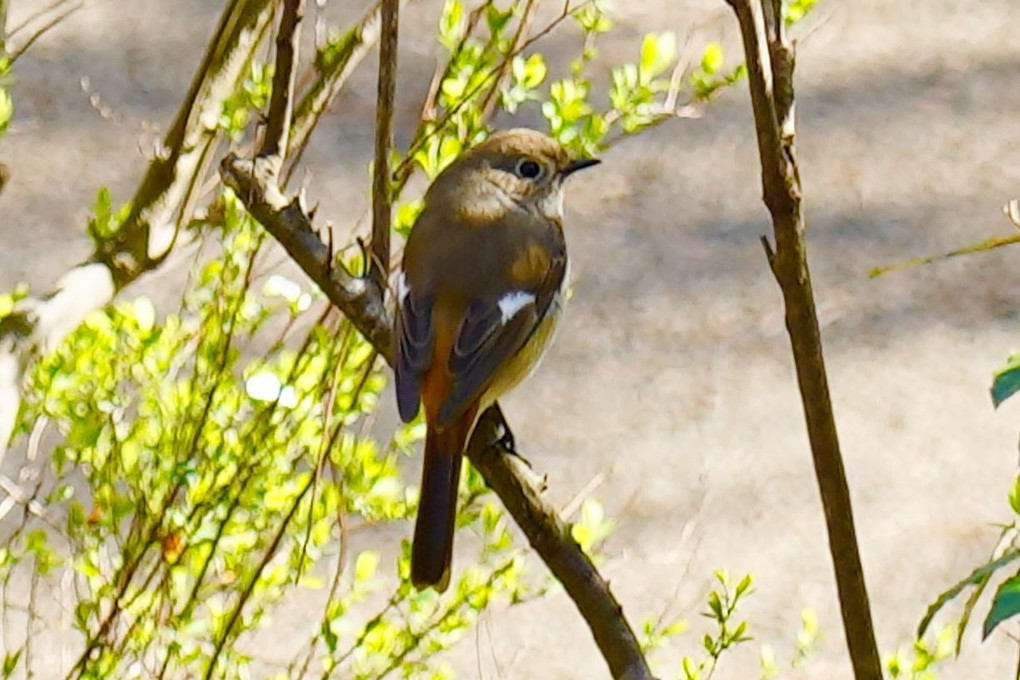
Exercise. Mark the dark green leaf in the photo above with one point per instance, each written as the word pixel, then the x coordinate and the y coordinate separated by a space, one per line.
pixel 1007 381
pixel 1005 605
pixel 978 576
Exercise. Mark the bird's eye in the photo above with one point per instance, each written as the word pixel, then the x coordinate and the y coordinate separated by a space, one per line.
pixel 529 169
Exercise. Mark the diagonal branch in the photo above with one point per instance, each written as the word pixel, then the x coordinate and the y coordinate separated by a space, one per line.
pixel 161 204
pixel 50 17
pixel 362 303
pixel 770 65
pixel 381 191
pixel 150 230
pixel 288 222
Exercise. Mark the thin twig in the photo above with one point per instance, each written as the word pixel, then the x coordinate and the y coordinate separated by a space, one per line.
pixel 523 26
pixel 4 5
pixel 403 171
pixel 984 246
pixel 281 104
pixel 16 52
pixel 331 78
pixel 268 555
pixel 381 192
pixel 18 495
pixel 770 66
pixel 289 224
pixel 38 14
pixel 428 107
pixel 574 504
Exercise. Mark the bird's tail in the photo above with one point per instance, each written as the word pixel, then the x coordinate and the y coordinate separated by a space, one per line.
pixel 432 548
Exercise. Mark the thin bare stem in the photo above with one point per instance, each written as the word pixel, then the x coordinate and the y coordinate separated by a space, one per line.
pixel 281 105
pixel 332 76
pixel 770 66
pixel 404 170
pixel 523 26
pixel 4 5
pixel 381 191
pixel 48 25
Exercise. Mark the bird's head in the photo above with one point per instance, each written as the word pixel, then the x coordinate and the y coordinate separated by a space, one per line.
pixel 518 169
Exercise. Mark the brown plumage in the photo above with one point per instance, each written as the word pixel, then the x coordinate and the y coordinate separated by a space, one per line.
pixel 479 293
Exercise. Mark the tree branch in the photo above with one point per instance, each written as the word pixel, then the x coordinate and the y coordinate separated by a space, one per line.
pixel 552 540
pixel 362 302
pixel 381 192
pixel 334 62
pixel 150 230
pixel 58 11
pixel 168 189
pixel 4 5
pixel 288 222
pixel 770 65
pixel 288 41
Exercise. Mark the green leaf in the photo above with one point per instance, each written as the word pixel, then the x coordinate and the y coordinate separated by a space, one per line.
pixel 11 662
pixel 451 24
pixel 1007 380
pixel 365 564
pixel 6 110
pixel 712 59
pixel 532 71
pixel 978 576
pixel 1014 496
pixel 797 10
pixel 592 19
pixel 658 52
pixel 1005 605
pixel 496 19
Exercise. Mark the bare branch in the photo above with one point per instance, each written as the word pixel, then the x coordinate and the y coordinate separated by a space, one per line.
pixel 403 171
pixel 770 67
pixel 162 203
pixel 4 5
pixel 288 41
pixel 523 26
pixel 39 32
pixel 980 247
pixel 289 224
pixel 552 540
pixel 333 75
pixel 362 303
pixel 150 230
pixel 381 191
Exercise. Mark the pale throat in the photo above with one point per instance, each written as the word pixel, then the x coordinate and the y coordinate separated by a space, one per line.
pixel 550 203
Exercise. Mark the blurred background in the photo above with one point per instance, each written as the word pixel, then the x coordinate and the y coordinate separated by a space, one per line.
pixel 671 382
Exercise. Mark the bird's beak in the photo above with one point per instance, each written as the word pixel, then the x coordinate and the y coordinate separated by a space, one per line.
pixel 579 164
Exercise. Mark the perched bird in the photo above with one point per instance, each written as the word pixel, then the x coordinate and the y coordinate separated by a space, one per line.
pixel 478 296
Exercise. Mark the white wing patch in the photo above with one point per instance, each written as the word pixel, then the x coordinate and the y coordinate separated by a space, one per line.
pixel 402 288
pixel 513 302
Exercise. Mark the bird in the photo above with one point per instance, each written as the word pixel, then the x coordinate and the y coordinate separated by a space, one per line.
pixel 478 293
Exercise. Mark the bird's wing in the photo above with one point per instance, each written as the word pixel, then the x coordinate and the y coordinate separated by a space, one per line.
pixel 414 339
pixel 496 327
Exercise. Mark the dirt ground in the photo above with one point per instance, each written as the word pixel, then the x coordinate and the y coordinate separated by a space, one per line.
pixel 671 374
